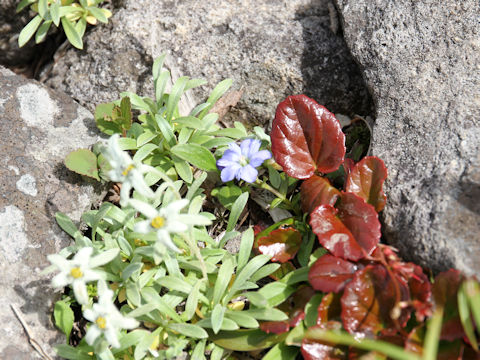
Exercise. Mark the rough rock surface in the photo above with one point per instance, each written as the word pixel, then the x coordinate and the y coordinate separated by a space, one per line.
pixel 38 128
pixel 270 48
pixel 421 62
pixel 11 24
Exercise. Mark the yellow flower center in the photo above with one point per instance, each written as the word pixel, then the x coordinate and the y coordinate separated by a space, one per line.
pixel 76 273
pixel 127 170
pixel 158 222
pixel 101 322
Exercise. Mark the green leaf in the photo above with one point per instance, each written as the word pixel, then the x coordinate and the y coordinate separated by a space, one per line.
pixel 55 12
pixel 311 310
pixel 193 83
pixel 237 209
pixel 42 31
pixel 183 169
pixel 242 319
pixel 42 8
pixel 137 102
pixel 223 279
pixel 246 340
pixel 264 271
pixel 473 295
pixel 192 302
pixel 217 353
pixel 199 351
pixel 246 244
pixel 72 35
pixel 83 162
pixel 174 97
pixel 157 66
pixel 23 4
pixel 98 14
pixel 166 130
pixel 216 94
pixel 71 353
pixel 227 194
pixel 217 317
pixel 196 155
pixel 174 283
pixel 64 317
pixel 465 318
pixel 142 310
pixel 282 352
pixel 227 324
pixel 189 121
pixel 67 225
pixel 151 295
pixel 189 330
pixel 244 275
pixel 160 85
pixel 28 31
pixel 103 113
pixel 104 257
pixel 268 314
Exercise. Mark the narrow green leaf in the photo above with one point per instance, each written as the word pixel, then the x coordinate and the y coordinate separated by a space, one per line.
pixel 227 324
pixel 72 35
pixel 183 169
pixel 104 257
pixel 196 155
pixel 246 244
pixel 133 293
pixel 246 340
pixel 151 296
pixel 81 26
pixel 42 31
pixel 464 312
pixel 473 295
pixel 174 97
pixel 242 319
pixel 189 330
pixel 264 271
pixel 192 302
pixel 67 225
pixel 223 279
pixel 217 353
pixel 166 130
pixel 142 310
pixel 137 101
pixel 64 317
pixel 282 352
pixel 98 14
pixel 432 336
pixel 193 83
pixel 311 310
pixel 244 275
pixel 216 94
pixel 190 121
pixel 174 283
pixel 160 85
pixel 268 314
pixel 23 4
pixel 28 31
pixel 199 351
pixel 217 317
pixel 144 151
pixel 157 66
pixel 55 12
pixel 237 209
pixel 71 353
pixel 42 8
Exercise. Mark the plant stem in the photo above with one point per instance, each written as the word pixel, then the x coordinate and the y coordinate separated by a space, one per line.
pixel 263 185
pixel 334 337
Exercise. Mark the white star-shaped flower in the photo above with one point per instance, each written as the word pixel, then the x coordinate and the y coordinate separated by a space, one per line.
pixel 106 318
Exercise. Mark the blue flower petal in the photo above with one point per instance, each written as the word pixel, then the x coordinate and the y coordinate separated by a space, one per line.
pixel 258 158
pixel 235 148
pixel 231 155
pixel 250 147
pixel 248 173
pixel 230 172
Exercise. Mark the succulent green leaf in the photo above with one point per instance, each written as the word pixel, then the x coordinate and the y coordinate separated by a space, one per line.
pixel 23 4
pixel 72 35
pixel 189 330
pixel 28 31
pixel 55 12
pixel 218 314
pixel 42 31
pixel 98 14
pixel 64 317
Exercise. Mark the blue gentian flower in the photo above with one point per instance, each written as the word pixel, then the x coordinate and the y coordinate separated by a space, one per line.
pixel 240 162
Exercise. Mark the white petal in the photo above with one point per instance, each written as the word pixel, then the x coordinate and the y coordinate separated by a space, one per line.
pixel 143 227
pixel 140 185
pixel 164 237
pixel 82 257
pixel 125 193
pixel 175 206
pixel 111 336
pixel 61 280
pixel 194 219
pixel 59 261
pixel 146 209
pixel 80 291
pixel 90 315
pixel 129 323
pixel 93 333
pixel 176 226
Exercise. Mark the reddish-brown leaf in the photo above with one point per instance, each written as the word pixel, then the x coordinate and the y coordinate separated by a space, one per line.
pixel 331 273
pixel 368 301
pixel 333 234
pixel 280 244
pixel 275 327
pixel 317 191
pixel 366 180
pixel 316 350
pixel 445 289
pixel 306 137
pixel 362 221
pixel 329 308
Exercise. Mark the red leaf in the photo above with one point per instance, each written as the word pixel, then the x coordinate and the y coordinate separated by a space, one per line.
pixel 296 317
pixel 366 180
pixel 445 289
pixel 369 299
pixel 316 350
pixel 317 191
pixel 361 219
pixel 331 273
pixel 333 234
pixel 329 308
pixel 306 137
pixel 275 327
pixel 281 244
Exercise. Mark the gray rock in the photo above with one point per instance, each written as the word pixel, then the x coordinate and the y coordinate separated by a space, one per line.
pixel 270 48
pixel 11 24
pixel 421 63
pixel 38 128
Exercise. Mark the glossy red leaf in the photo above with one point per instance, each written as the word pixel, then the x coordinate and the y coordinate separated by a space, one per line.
pixel 275 327
pixel 329 308
pixel 317 191
pixel 331 273
pixel 306 137
pixel 280 244
pixel 362 221
pixel 348 165
pixel 366 180
pixel 316 350
pixel 333 234
pixel 445 289
pixel 368 301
